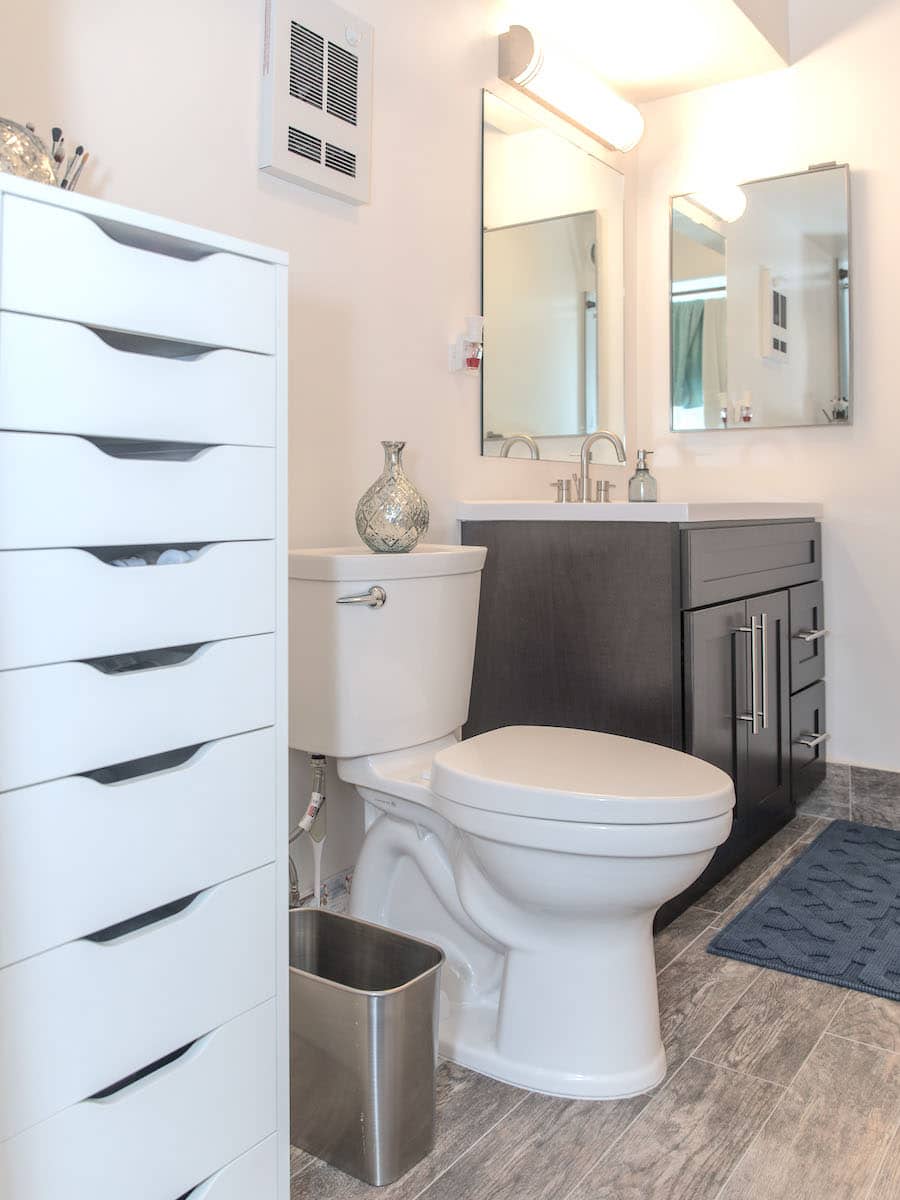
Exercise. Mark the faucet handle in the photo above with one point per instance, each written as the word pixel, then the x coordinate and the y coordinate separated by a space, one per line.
pixel 563 490
pixel 604 487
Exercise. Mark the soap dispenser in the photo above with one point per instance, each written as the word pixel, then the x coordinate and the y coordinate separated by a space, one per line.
pixel 642 486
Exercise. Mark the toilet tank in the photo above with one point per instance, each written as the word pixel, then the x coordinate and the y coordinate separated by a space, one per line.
pixel 367 680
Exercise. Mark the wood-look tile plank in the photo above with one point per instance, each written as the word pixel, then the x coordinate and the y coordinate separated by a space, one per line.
pixel 828 1135
pixel 773 1027
pixel 687 1141
pixel 719 897
pixel 695 993
pixel 762 882
pixel 669 942
pixel 875 797
pixel 887 1181
pixel 468 1105
pixel 831 798
pixel 869 1019
pixel 539 1152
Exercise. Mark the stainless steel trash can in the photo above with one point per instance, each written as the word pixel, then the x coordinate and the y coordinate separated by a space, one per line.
pixel 364 1006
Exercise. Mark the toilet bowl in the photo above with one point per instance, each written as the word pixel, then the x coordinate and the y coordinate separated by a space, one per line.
pixel 535 857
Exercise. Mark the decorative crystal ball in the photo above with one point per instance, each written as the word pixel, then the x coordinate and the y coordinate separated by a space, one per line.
pixel 23 153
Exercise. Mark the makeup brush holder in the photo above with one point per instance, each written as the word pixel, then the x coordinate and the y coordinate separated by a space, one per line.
pixel 24 153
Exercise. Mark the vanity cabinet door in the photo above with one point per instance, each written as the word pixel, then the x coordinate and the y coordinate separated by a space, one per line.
pixel 715 676
pixel 763 778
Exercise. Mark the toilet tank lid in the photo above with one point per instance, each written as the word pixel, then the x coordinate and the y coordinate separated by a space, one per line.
pixel 579 775
pixel 349 563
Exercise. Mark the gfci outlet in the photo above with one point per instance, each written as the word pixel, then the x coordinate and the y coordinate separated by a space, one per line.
pixel 316 118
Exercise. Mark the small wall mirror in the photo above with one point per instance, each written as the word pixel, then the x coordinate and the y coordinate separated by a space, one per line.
pixel 553 281
pixel 760 304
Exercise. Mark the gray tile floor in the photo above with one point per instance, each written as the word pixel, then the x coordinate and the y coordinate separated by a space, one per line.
pixel 778 1087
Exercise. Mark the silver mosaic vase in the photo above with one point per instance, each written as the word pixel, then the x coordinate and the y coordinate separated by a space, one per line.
pixel 392 515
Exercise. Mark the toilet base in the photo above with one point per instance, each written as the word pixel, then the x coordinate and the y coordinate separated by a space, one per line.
pixel 468 1037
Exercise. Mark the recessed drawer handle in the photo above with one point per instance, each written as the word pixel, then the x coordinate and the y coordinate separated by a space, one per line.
pixel 375 597
pixel 811 740
pixel 810 635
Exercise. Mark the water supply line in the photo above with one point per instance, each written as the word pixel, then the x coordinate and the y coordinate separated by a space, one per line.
pixel 305 825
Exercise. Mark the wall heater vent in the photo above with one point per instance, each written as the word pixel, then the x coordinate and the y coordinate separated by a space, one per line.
pixel 316 121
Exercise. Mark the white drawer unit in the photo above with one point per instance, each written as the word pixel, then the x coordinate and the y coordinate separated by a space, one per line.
pixel 57 605
pixel 99 270
pixel 156 1136
pixel 59 377
pixel 143 706
pixel 58 490
pixel 253 1174
pixel 74 717
pixel 151 839
pixel 80 1017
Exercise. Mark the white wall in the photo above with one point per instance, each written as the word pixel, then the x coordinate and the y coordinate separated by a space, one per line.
pixel 838 102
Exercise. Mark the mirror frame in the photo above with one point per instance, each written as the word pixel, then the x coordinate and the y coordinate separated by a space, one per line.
pixel 811 170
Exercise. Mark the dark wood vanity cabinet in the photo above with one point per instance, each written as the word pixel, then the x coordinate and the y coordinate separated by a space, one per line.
pixel 670 633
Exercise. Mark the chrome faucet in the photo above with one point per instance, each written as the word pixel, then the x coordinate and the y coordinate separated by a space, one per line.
pixel 602 435
pixel 525 438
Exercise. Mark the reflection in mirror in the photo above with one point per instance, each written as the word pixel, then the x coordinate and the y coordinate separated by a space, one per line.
pixel 553 266
pixel 760 304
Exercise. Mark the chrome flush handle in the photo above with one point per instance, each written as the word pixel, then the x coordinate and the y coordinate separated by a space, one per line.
pixel 375 597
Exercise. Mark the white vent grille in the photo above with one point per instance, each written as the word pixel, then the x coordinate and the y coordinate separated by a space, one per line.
pixel 316 126
pixel 340 160
pixel 343 83
pixel 307 65
pixel 304 144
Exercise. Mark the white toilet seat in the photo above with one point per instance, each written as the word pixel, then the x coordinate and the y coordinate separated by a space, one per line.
pixel 578 775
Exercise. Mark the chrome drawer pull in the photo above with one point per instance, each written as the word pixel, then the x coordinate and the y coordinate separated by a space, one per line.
pixel 811 740
pixel 810 635
pixel 375 597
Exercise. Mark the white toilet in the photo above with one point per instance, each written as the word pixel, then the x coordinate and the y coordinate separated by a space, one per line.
pixel 535 857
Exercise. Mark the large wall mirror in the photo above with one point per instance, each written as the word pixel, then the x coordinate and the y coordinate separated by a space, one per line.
pixel 553 283
pixel 760 304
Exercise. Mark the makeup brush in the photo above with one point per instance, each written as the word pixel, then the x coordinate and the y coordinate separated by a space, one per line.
pixel 56 134
pixel 78 171
pixel 71 166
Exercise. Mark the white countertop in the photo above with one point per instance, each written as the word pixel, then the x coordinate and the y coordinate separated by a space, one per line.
pixel 680 511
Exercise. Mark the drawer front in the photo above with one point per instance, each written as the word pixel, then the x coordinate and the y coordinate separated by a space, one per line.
pixel 808 755
pixel 60 377
pixel 253 1176
pixel 82 1016
pixel 807 635
pixel 64 491
pixel 65 604
pixel 72 717
pixel 63 264
pixel 154 1139
pixel 202 821
pixel 746 560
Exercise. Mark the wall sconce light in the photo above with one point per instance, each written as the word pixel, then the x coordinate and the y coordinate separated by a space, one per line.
pixel 568 89
pixel 725 202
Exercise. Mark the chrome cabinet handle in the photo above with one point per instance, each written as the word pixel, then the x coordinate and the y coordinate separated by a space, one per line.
pixel 753 716
pixel 764 637
pixel 375 597
pixel 810 635
pixel 811 740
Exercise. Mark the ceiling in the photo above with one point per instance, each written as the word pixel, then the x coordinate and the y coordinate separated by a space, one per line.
pixel 648 49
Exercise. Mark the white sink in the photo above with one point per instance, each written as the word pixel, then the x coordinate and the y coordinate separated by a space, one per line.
pixel 680 511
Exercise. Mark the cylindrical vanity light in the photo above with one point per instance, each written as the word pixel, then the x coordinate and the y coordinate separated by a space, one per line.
pixel 726 201
pixel 569 89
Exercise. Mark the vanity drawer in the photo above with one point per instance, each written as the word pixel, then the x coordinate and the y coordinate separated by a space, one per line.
pixel 721 564
pixel 57 490
pixel 64 264
pixel 65 604
pixel 74 717
pixel 154 1138
pixel 807 635
pixel 78 1018
pixel 808 756
pixel 59 377
pixel 253 1176
pixel 208 817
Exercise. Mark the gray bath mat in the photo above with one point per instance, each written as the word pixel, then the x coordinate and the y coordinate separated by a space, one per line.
pixel 833 914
